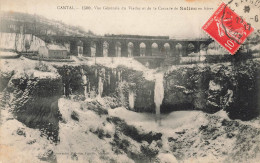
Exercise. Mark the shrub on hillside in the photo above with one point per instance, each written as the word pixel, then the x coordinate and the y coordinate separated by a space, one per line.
pixel 42 67
pixel 75 116
pixel 133 132
pixel 97 108
pixel 149 150
pixel 100 133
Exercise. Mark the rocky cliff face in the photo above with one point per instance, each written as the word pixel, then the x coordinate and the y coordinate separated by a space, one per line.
pixel 115 82
pixel 34 102
pixel 233 87
pixel 4 79
pixel 16 41
pixel 32 92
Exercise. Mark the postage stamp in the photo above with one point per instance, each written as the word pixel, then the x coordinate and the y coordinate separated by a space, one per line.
pixel 249 10
pixel 227 28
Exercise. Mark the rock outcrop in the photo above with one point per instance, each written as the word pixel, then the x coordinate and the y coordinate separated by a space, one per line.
pixel 233 87
pixel 34 102
pixel 116 82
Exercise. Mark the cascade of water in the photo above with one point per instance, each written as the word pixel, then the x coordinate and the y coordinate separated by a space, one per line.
pixel 131 99
pixel 108 78
pixel 96 72
pixel 114 72
pixel 89 86
pixel 158 93
pixel 121 93
pixel 119 76
pixel 85 82
pixel 85 91
pixel 100 86
pixel 63 89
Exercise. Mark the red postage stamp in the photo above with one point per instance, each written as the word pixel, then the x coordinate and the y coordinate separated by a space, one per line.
pixel 227 28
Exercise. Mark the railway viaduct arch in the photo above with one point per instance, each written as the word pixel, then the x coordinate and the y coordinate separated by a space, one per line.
pixel 128 45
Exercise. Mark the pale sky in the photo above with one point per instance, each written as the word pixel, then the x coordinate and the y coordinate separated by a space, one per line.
pixel 175 23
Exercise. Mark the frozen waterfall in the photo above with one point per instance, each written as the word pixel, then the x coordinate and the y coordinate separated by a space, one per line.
pixel 84 81
pixel 100 87
pixel 158 94
pixel 131 99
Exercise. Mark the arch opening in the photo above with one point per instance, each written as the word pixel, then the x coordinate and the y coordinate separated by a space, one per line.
pixel 142 49
pixel 191 48
pixel 105 48
pixel 93 49
pixel 203 49
pixel 166 49
pixel 155 49
pixel 80 48
pixel 179 49
pixel 130 49
pixel 118 49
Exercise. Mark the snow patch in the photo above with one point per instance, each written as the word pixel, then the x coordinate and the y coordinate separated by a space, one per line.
pixel 166 158
pixel 8 54
pixel 76 139
pixel 214 86
pixel 23 67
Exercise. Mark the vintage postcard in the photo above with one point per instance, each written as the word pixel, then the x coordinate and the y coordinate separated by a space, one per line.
pixel 170 81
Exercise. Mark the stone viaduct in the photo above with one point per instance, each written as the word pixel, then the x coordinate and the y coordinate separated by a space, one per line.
pixel 127 45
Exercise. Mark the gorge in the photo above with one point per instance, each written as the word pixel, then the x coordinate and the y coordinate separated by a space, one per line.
pixel 133 114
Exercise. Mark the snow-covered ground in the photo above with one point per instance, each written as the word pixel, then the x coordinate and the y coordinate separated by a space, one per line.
pixel 112 62
pixel 8 54
pixel 19 143
pixel 77 143
pixel 188 123
pixel 147 121
pixel 131 63
pixel 180 126
pixel 22 67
